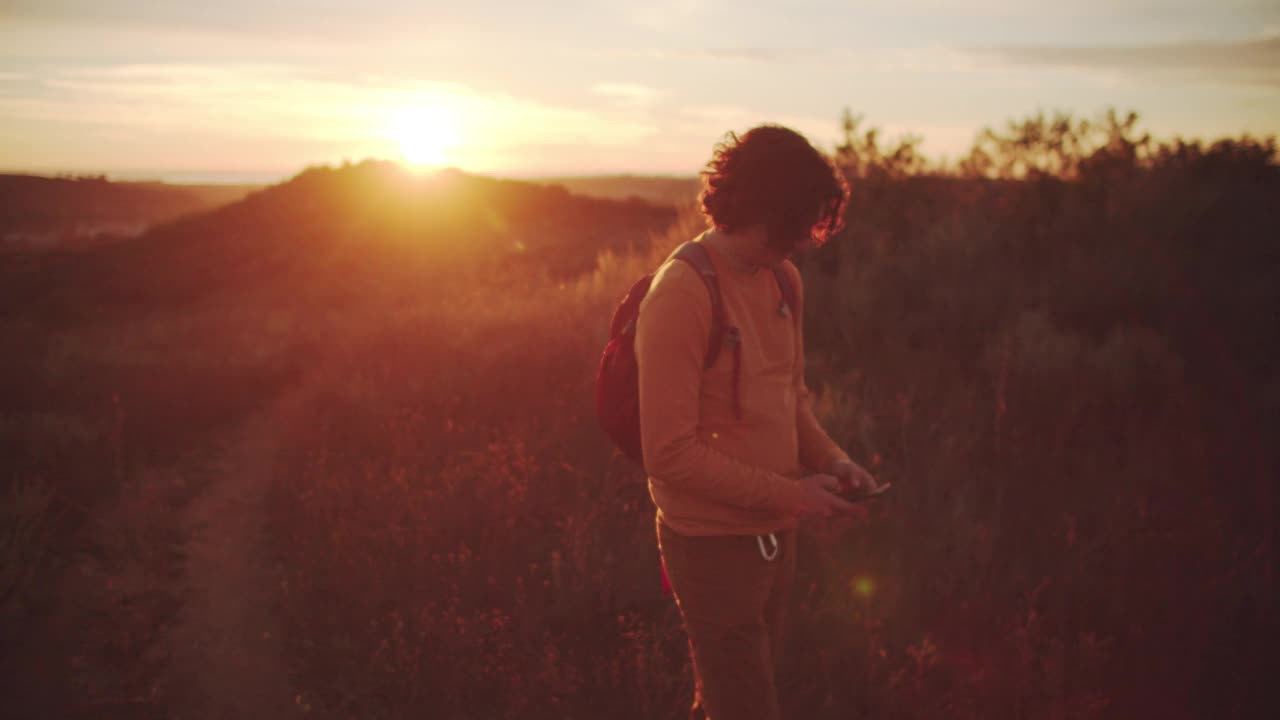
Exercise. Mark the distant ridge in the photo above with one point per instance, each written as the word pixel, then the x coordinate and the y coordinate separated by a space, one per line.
pixel 662 189
pixel 57 212
pixel 331 234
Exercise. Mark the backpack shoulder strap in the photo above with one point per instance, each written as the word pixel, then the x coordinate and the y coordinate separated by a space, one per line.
pixel 696 255
pixel 787 288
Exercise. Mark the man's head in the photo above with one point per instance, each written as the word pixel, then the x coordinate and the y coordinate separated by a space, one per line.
pixel 773 178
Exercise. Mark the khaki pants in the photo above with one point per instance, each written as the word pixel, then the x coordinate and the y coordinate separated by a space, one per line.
pixel 733 601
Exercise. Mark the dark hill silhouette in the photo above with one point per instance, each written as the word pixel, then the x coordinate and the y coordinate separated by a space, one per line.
pixel 371 229
pixel 660 189
pixel 57 211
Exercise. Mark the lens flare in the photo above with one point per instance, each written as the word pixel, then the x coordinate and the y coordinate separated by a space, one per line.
pixel 863 586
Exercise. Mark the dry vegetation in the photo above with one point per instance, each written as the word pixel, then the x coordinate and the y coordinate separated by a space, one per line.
pixel 1061 353
pixel 46 213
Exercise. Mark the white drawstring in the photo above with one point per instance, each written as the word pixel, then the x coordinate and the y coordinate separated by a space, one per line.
pixel 768 555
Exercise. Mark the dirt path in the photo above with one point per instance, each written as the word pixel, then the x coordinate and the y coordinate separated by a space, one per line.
pixel 225 653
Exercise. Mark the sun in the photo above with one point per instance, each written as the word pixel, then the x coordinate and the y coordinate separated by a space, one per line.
pixel 425 135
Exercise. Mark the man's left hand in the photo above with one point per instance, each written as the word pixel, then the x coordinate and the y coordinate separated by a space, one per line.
pixel 852 477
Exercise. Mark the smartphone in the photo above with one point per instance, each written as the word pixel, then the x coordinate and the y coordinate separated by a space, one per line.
pixel 866 494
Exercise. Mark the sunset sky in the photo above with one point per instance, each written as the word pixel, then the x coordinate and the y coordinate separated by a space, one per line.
pixel 256 89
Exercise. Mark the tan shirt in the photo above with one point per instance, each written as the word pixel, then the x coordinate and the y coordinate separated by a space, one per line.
pixel 710 473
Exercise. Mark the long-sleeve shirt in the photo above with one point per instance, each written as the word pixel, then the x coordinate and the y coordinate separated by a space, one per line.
pixel 710 472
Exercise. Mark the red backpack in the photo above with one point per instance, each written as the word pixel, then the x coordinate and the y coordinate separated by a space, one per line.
pixel 618 380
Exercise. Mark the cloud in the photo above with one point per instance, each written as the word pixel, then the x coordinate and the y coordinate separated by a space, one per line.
pixel 304 116
pixel 1247 62
pixel 627 94
pixel 755 55
pixel 665 15
pixel 714 119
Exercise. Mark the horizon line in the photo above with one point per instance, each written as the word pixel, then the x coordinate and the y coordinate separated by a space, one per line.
pixel 211 176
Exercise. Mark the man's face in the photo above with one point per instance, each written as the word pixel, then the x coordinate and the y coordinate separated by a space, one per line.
pixel 788 245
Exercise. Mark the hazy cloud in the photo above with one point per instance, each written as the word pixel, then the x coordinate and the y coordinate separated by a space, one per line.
pixel 1255 62
pixel 699 118
pixel 628 94
pixel 287 107
pixel 658 81
pixel 747 54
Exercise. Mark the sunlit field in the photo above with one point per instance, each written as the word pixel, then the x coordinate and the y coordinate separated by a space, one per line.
pixel 1061 351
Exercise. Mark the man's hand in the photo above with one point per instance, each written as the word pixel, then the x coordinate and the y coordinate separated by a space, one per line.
pixel 819 497
pixel 853 478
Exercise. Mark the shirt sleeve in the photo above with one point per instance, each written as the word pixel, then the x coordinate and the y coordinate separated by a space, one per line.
pixel 818 451
pixel 671 343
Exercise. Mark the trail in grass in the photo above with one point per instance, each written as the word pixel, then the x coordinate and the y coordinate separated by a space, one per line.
pixel 227 660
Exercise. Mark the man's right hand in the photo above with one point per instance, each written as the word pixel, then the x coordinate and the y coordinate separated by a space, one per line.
pixel 819 498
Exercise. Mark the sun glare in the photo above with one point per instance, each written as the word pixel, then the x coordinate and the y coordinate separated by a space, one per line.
pixel 425 135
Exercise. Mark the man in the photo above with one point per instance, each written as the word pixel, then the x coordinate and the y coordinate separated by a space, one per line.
pixel 734 453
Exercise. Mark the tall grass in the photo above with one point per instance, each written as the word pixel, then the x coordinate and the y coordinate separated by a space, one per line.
pixel 1069 380
pixel 107 431
pixel 448 465
pixel 459 540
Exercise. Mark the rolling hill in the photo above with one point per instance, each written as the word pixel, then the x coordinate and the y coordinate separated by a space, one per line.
pixel 339 234
pixel 659 189
pixel 61 212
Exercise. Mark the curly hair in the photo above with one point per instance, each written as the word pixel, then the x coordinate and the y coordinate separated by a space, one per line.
pixel 772 176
